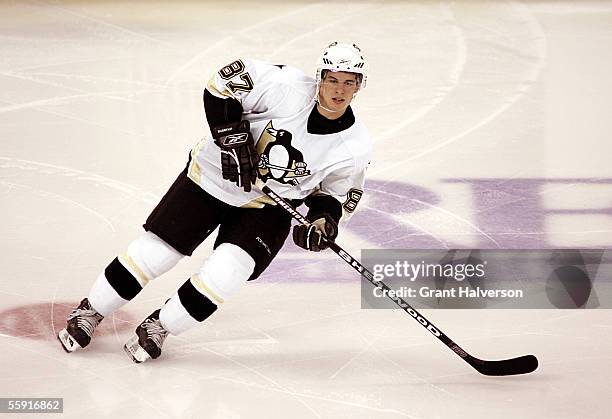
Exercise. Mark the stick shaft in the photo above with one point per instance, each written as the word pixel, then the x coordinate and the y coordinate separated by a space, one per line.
pixel 513 366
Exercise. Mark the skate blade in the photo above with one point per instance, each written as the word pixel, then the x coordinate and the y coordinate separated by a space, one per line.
pixel 135 351
pixel 67 341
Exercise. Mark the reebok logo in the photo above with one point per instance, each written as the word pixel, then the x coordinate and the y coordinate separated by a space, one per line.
pixel 260 241
pixel 234 139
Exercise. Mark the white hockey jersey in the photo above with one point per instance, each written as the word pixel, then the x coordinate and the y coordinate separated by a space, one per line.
pixel 277 101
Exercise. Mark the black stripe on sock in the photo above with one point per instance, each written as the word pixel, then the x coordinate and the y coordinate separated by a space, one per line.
pixel 197 304
pixel 122 280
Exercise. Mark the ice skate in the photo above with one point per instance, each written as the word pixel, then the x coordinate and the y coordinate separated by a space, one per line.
pixel 80 327
pixel 147 344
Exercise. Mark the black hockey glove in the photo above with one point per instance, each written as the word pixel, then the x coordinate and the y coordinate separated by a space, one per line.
pixel 239 157
pixel 310 237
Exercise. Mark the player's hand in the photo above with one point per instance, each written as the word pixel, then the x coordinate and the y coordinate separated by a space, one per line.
pixel 314 236
pixel 239 157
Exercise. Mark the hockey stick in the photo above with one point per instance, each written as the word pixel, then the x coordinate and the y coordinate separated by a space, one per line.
pixel 514 366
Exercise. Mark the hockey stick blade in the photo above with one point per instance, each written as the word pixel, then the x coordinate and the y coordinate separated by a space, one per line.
pixel 515 366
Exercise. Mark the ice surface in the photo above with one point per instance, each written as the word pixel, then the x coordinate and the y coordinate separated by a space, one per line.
pixel 491 124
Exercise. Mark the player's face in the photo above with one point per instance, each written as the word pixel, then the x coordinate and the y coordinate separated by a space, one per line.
pixel 336 93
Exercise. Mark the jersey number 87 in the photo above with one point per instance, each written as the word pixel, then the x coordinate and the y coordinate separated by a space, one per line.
pixel 232 70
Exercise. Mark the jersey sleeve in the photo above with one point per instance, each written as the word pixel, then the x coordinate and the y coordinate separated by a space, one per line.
pixel 262 88
pixel 343 186
pixel 346 186
pixel 248 82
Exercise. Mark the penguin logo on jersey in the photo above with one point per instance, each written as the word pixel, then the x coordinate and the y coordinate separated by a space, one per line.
pixel 278 159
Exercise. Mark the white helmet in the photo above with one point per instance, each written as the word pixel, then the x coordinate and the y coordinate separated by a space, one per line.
pixel 342 57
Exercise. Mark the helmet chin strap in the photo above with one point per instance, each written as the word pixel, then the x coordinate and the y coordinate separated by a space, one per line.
pixel 331 110
pixel 327 109
pixel 318 101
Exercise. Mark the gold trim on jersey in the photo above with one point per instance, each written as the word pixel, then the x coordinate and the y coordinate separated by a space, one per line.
pixel 212 88
pixel 258 202
pixel 194 172
pixel 129 264
pixel 197 282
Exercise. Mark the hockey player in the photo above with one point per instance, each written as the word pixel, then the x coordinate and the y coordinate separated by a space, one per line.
pixel 269 123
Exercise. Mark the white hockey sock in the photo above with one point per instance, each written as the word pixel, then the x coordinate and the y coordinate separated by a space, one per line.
pixel 103 297
pixel 175 318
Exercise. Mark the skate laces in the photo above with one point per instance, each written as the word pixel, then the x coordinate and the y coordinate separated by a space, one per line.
pixel 87 319
pixel 155 331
